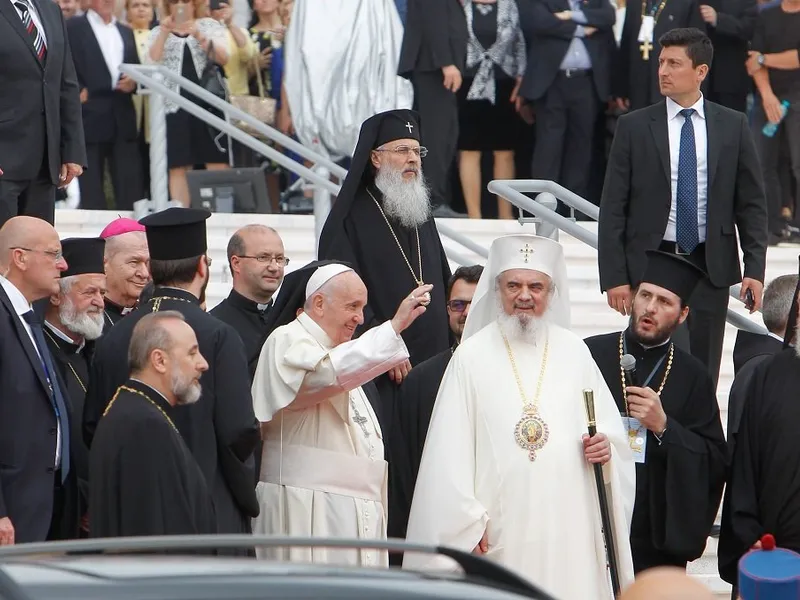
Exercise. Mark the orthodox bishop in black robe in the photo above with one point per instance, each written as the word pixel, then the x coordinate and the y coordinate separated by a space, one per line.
pixel 635 75
pixel 679 484
pixel 391 258
pixel 220 429
pixel 145 480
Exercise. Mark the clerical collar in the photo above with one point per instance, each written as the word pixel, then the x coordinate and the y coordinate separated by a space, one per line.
pixel 118 308
pixel 633 341
pixel 76 348
pixel 239 301
pixel 150 391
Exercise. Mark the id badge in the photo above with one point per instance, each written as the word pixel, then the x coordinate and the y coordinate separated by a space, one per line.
pixel 637 438
pixel 646 30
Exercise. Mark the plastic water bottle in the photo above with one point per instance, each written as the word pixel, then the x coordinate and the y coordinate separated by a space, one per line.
pixel 770 129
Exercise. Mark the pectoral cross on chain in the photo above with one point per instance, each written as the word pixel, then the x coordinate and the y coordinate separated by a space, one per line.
pixel 526 252
pixel 359 420
pixel 409 126
pixel 645 48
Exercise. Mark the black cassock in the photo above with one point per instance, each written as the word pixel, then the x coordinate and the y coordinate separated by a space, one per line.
pixel 112 314
pixel 634 77
pixel 363 239
pixel 679 486
pixel 220 429
pixel 249 322
pixel 145 480
pixel 763 493
pixel 72 362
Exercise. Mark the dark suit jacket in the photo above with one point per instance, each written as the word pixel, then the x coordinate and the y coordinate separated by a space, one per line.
pixel 549 39
pixel 736 22
pixel 636 199
pixel 28 431
pixel 40 109
pixel 435 37
pixel 107 113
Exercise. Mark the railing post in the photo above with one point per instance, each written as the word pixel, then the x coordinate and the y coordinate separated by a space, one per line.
pixel 322 204
pixel 159 172
pixel 544 228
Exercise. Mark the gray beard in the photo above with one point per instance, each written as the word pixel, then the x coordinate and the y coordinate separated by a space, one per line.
pixel 87 325
pixel 408 202
pixel 185 392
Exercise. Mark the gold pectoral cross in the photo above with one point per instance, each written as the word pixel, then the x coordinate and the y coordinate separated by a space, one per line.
pixel 645 48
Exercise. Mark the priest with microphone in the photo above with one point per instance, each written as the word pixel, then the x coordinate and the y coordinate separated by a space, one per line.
pixel 669 409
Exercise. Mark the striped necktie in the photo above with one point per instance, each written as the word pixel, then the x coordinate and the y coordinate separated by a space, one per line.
pixel 33 31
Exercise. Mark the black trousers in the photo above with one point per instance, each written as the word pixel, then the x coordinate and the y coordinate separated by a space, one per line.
pixel 730 100
pixel 124 160
pixel 566 119
pixel 708 309
pixel 438 111
pixel 34 198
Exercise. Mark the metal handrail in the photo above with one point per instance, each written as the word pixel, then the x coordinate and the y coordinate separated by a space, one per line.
pixel 512 190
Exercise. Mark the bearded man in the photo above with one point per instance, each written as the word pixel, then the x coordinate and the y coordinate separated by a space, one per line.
pixel 221 429
pixel 73 320
pixel 507 469
pixel 671 418
pixel 381 224
pixel 145 480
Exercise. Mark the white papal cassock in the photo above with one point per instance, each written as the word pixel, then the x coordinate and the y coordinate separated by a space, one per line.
pixel 322 471
pixel 542 517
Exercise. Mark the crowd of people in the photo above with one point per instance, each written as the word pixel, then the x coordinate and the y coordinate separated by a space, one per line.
pixel 374 392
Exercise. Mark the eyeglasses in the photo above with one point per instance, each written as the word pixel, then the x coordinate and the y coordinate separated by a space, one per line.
pixel 281 261
pixel 55 255
pixel 420 151
pixel 180 1
pixel 458 306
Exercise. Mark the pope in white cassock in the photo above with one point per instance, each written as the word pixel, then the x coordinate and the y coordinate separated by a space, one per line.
pixel 507 466
pixel 323 472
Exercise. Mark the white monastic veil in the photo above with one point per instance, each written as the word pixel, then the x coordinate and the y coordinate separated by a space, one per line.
pixel 341 61
pixel 520 252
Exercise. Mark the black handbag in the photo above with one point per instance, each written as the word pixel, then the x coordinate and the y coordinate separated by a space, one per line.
pixel 213 80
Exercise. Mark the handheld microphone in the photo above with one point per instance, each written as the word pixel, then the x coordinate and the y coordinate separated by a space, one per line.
pixel 628 364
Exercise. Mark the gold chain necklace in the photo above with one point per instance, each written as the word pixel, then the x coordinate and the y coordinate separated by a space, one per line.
pixel 146 397
pixel 419 280
pixel 71 368
pixel 157 301
pixel 531 432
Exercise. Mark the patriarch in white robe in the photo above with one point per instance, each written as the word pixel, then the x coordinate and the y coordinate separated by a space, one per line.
pixel 323 472
pixel 507 468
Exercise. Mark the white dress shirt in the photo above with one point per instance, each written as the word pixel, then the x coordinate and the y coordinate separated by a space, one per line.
pixel 110 41
pixel 34 17
pixel 674 123
pixel 22 306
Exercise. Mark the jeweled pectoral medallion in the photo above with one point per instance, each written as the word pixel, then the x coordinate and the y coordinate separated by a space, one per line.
pixel 531 433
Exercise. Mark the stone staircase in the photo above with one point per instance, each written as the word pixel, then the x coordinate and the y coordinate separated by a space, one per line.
pixel 590 313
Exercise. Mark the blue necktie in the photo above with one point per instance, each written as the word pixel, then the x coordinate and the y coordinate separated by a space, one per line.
pixel 686 229
pixel 56 397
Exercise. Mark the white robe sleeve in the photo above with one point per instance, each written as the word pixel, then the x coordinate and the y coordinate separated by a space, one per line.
pixel 445 509
pixel 294 371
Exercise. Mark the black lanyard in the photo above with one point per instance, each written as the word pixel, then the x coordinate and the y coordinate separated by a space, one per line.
pixel 655 369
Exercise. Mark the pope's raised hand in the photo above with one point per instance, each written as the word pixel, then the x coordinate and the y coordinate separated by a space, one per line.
pixel 412 307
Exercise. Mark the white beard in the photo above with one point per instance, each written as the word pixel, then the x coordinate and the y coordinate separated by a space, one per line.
pixel 408 202
pixel 185 391
pixel 88 325
pixel 524 328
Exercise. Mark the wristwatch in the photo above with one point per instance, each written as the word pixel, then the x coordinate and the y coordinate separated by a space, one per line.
pixel 760 59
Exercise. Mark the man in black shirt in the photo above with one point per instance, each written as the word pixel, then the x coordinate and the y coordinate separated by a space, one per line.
pixel 256 259
pixel 777 30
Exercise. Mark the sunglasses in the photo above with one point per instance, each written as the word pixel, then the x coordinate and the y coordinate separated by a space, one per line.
pixel 458 306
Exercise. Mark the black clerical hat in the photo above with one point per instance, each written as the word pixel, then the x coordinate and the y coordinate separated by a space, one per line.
pixel 397 125
pixel 791 321
pixel 176 233
pixel 378 129
pixel 673 273
pixel 83 255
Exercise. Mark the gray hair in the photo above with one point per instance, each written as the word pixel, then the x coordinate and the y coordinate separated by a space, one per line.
pixel 149 334
pixel 551 289
pixel 114 244
pixel 65 284
pixel 326 290
pixel 778 298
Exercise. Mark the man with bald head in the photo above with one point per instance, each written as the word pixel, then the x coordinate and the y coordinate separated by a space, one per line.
pixel 666 583
pixel 127 261
pixel 323 471
pixel 257 260
pixel 34 412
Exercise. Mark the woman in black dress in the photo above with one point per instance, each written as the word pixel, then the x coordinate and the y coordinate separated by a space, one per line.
pixel 488 121
pixel 181 42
